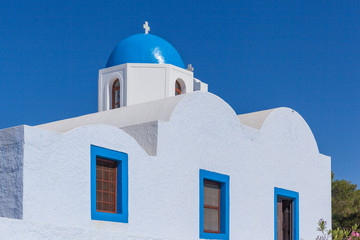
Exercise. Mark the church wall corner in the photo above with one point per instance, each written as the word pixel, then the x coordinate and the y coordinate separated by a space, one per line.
pixel 11 172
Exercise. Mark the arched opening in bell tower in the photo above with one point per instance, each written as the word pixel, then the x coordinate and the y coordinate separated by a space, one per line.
pixel 180 87
pixel 177 88
pixel 116 94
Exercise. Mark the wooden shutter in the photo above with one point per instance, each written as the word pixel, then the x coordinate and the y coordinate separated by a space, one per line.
pixel 106 178
pixel 211 207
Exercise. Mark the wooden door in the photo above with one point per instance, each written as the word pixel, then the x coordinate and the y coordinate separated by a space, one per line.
pixel 284 219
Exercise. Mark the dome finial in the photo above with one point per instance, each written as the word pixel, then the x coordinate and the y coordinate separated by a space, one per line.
pixel 146 27
pixel 190 68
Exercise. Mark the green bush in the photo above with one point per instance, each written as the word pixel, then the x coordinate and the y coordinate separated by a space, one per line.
pixel 338 233
pixel 345 199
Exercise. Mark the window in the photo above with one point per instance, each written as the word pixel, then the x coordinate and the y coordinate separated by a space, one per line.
pixel 286 214
pixel 116 94
pixel 214 205
pixel 109 185
pixel 106 172
pixel 177 88
pixel 211 206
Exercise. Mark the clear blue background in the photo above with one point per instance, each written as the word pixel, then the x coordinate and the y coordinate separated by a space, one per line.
pixel 256 55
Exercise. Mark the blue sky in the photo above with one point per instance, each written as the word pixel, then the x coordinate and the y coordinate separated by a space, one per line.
pixel 255 55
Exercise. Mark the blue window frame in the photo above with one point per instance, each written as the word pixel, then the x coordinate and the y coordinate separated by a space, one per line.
pixel 223 181
pixel 121 159
pixel 291 195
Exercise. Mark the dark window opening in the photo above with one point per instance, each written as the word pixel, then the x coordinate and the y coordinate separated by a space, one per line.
pixel 211 206
pixel 106 178
pixel 177 88
pixel 284 219
pixel 116 94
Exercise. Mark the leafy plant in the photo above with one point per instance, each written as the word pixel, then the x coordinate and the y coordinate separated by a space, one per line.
pixel 325 234
pixel 338 233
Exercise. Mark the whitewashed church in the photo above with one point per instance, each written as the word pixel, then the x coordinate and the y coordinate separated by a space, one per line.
pixel 163 159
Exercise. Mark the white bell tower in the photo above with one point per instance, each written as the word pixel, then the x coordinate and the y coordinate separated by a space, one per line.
pixel 144 68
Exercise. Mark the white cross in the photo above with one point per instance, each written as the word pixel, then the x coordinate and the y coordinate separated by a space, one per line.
pixel 146 27
pixel 190 68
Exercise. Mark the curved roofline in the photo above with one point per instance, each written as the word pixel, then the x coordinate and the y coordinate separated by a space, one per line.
pixel 165 109
pixel 258 120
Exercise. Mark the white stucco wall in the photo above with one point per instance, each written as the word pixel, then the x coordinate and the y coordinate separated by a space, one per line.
pixel 202 133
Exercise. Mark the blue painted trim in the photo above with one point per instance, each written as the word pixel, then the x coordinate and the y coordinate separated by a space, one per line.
pixel 122 184
pixel 224 181
pixel 279 192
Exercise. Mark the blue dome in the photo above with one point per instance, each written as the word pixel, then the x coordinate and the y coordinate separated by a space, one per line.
pixel 144 48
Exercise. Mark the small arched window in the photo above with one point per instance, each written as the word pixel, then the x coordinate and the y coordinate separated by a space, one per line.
pixel 116 94
pixel 177 88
